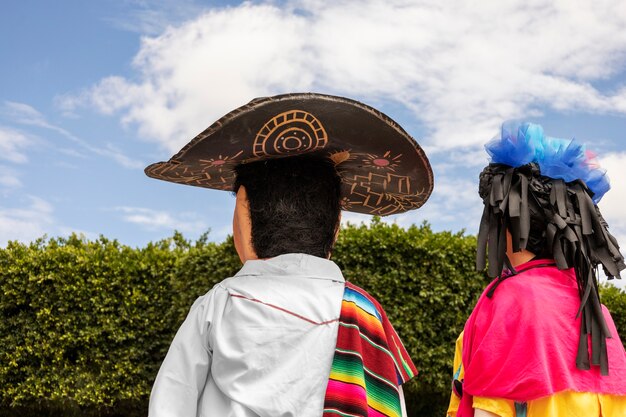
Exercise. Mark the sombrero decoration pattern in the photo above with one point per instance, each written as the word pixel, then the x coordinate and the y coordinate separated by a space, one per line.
pixel 383 169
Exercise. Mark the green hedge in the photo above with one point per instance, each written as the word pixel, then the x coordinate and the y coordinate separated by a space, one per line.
pixel 86 323
pixel 615 300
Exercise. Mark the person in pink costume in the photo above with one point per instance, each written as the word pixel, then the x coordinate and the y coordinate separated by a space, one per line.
pixel 539 342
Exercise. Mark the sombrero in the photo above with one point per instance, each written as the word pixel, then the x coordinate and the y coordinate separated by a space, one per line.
pixel 383 169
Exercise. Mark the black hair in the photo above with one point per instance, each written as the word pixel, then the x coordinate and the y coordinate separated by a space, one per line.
pixel 556 220
pixel 528 227
pixel 294 204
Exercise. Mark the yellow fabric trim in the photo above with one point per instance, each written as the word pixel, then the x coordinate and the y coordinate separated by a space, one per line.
pixel 503 408
pixel 613 406
pixel 455 401
pixel 562 404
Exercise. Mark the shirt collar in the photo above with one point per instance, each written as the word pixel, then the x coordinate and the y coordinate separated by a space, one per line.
pixel 293 264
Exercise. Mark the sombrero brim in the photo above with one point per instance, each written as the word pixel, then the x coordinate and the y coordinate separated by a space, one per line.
pixel 383 169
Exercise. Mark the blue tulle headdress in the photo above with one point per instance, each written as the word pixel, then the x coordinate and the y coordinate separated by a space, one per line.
pixel 523 143
pixel 544 191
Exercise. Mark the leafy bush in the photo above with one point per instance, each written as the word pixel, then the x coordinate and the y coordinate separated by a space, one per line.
pixel 86 323
pixel 615 300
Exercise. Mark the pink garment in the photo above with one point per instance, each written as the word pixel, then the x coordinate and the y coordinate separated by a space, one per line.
pixel 521 344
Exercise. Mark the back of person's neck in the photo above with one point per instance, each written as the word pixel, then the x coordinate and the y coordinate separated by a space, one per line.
pixel 521 257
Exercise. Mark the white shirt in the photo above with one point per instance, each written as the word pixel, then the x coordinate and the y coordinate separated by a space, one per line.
pixel 258 344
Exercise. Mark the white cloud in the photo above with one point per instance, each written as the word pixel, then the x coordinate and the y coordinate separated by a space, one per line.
pixel 27 115
pixel 34 219
pixel 24 114
pixel 27 223
pixel 613 203
pixel 111 152
pixel 193 74
pixel 161 220
pixel 152 17
pixel 9 178
pixel 454 205
pixel 461 67
pixel 12 145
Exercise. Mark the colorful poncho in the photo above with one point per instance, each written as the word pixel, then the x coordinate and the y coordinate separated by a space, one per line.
pixel 370 362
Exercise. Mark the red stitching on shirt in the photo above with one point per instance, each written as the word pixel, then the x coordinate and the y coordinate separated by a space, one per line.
pixel 285 310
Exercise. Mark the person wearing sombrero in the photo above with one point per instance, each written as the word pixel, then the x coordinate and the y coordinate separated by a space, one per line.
pixel 287 335
pixel 539 343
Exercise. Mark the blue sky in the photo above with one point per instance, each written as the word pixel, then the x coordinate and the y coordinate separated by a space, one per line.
pixel 92 92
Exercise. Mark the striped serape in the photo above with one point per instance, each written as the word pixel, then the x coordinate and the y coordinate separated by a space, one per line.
pixel 370 361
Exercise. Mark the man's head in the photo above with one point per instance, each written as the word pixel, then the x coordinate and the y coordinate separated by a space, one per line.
pixel 293 205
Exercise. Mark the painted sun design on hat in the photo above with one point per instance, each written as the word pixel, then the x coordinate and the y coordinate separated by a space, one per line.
pixel 220 162
pixel 386 162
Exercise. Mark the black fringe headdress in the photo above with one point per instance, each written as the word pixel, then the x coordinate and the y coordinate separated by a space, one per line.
pixel 539 189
